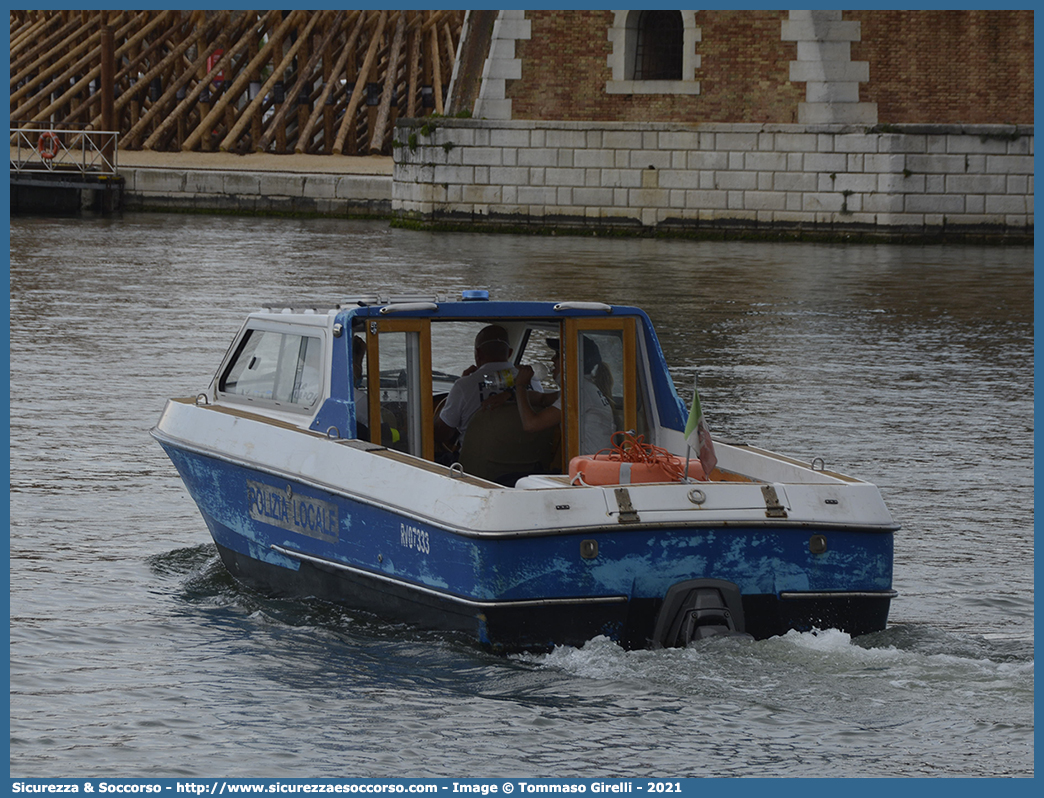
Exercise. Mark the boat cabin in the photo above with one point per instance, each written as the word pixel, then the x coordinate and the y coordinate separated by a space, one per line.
pixel 337 370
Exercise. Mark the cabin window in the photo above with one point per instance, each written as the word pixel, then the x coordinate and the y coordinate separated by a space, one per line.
pixel 604 385
pixel 452 351
pixel 601 388
pixel 398 389
pixel 643 398
pixel 592 368
pixel 399 365
pixel 281 368
pixel 601 391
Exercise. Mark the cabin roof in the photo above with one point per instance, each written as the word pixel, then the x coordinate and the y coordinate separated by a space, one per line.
pixel 433 307
pixel 494 309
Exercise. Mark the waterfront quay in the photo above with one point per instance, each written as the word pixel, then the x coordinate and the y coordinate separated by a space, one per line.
pixel 293 184
pixel 838 125
pixel 901 183
pixel 834 180
pixel 931 182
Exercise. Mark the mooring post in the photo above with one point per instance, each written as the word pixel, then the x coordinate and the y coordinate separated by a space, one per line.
pixel 107 83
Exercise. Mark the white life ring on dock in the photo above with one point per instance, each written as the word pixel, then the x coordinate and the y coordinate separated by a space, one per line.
pixel 48 145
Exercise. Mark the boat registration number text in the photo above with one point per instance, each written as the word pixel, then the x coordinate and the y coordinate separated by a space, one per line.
pixel 287 510
pixel 412 538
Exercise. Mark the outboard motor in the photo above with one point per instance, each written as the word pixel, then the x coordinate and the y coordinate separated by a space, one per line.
pixel 699 608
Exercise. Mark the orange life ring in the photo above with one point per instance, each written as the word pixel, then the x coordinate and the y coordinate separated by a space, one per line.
pixel 632 461
pixel 48 145
pixel 600 469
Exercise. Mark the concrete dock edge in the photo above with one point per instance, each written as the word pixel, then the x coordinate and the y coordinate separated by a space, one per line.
pixel 261 191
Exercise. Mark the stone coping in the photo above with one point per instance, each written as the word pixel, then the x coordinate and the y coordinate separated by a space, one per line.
pixel 921 129
pixel 375 165
pixel 257 162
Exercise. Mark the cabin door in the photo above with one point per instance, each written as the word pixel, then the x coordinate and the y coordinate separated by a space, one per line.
pixel 399 362
pixel 600 382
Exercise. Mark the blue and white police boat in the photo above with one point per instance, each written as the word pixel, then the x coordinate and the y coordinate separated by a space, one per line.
pixel 313 459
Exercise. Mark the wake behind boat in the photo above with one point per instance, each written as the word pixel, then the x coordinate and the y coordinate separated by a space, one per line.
pixel 411 457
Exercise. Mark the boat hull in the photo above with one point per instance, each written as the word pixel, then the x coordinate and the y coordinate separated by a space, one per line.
pixel 528 590
pixel 537 626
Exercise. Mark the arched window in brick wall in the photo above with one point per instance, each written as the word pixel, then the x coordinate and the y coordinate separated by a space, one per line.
pixel 658 46
pixel 654 52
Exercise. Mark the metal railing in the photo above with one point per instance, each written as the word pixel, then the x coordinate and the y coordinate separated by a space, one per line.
pixel 68 151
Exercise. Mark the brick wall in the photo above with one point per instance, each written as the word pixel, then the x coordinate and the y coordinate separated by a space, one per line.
pixel 564 69
pixel 954 67
pixel 957 67
pixel 744 69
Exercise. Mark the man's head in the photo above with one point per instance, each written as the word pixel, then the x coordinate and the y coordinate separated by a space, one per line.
pixel 358 353
pixel 556 358
pixel 491 345
pixel 592 354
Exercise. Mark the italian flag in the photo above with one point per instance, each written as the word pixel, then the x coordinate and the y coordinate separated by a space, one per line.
pixel 698 437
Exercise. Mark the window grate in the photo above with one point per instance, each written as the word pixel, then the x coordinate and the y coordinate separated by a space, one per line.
pixel 658 54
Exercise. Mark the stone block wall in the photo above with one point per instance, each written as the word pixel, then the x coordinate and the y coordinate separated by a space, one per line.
pixel 261 192
pixel 904 180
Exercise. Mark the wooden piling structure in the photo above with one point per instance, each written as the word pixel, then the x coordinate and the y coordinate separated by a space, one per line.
pixel 107 71
pixel 330 82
